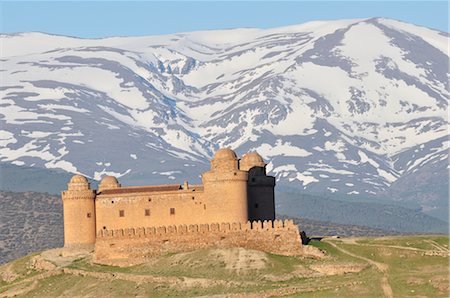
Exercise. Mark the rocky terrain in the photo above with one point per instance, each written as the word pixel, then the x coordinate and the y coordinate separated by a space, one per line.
pixel 345 108
pixel 350 267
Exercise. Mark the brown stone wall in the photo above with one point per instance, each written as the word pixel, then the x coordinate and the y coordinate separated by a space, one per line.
pixel 151 209
pixel 223 198
pixel 139 244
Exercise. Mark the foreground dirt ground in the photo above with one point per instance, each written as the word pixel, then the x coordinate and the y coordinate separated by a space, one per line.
pixel 405 266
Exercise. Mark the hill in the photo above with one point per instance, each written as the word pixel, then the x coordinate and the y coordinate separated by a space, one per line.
pixel 352 267
pixel 15 178
pixel 376 215
pixel 342 108
pixel 29 222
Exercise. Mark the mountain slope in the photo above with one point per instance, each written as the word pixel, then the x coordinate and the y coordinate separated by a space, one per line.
pixel 343 107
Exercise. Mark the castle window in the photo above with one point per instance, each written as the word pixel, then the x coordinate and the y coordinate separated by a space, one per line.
pixel 172 211
pixel 193 198
pixel 121 213
pixel 253 179
pixel 88 215
pixel 256 205
pixel 147 212
pixel 149 200
pixel 235 173
pixel 104 228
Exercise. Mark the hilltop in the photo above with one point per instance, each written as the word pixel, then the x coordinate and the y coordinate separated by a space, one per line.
pixel 370 267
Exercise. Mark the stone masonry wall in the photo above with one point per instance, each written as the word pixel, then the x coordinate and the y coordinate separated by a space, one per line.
pixel 138 244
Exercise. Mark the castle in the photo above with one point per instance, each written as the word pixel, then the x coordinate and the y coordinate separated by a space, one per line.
pixel 233 207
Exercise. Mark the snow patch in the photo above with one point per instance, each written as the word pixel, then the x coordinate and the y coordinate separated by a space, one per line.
pixel 332 189
pixel 364 158
pixel 353 192
pixel 98 175
pixel 304 179
pixel 280 149
pixel 388 176
pixel 6 138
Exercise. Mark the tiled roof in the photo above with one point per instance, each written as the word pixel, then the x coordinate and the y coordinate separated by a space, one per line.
pixel 125 190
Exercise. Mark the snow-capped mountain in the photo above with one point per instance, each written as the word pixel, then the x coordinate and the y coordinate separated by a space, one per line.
pixel 343 107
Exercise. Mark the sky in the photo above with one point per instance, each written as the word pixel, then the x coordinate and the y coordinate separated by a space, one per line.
pixel 96 19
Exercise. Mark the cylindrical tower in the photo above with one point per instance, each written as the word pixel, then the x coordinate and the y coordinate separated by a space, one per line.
pixel 79 214
pixel 226 189
pixel 260 189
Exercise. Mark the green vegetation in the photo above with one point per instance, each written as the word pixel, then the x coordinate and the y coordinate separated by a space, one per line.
pixel 351 267
pixel 413 268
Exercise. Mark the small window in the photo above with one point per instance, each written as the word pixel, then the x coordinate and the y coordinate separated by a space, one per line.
pixel 149 200
pixel 172 211
pixel 88 215
pixel 256 205
pixel 147 212
pixel 112 202
pixel 235 174
pixel 104 227
pixel 253 179
pixel 121 213
pixel 193 198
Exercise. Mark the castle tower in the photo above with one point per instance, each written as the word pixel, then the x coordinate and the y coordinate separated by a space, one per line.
pixel 226 188
pixel 260 190
pixel 108 182
pixel 79 214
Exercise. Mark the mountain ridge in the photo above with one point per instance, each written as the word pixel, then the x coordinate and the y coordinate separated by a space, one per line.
pixel 344 107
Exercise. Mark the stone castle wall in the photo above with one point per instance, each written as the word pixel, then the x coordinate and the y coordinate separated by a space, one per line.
pixel 152 209
pixel 235 192
pixel 138 244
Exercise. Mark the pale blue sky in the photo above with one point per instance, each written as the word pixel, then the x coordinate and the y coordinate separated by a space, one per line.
pixel 119 18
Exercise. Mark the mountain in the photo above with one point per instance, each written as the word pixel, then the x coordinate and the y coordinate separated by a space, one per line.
pixel 353 109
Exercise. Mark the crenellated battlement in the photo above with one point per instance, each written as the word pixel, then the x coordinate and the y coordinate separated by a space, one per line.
pixel 266 225
pixel 135 245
